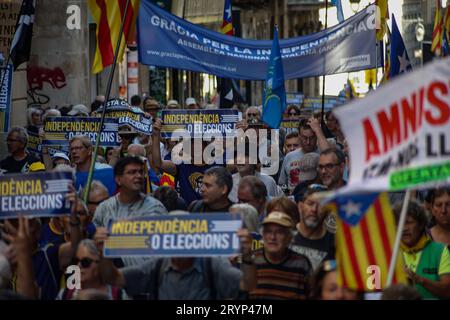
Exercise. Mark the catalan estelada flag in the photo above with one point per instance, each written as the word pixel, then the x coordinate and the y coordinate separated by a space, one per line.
pixel 446 25
pixel 227 23
pixel 167 180
pixel 387 57
pixel 436 43
pixel 108 16
pixel 365 237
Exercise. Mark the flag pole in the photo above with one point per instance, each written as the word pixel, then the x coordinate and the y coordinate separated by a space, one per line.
pixel 322 121
pixel 108 91
pixel 9 51
pixel 398 237
pixel 376 66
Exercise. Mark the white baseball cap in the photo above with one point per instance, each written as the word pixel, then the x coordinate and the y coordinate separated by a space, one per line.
pixel 190 101
pixel 77 109
pixel 61 155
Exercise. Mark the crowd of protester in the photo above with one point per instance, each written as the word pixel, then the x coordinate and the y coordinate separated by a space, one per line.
pixel 287 239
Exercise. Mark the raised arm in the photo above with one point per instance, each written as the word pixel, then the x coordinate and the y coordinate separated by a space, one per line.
pixel 322 141
pixel 158 163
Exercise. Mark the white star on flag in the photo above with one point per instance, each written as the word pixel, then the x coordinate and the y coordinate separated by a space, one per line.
pixel 352 209
pixel 404 63
pixel 228 11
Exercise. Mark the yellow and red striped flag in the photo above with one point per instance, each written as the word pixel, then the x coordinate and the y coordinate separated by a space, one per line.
pixel 381 17
pixel 387 58
pixel 108 16
pixel 436 44
pixel 446 26
pixel 167 180
pixel 227 22
pixel 364 241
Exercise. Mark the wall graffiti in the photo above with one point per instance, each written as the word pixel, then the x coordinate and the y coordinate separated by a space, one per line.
pixel 37 76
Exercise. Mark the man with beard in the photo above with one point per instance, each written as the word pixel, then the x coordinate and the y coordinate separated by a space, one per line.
pixel 331 168
pixel 312 238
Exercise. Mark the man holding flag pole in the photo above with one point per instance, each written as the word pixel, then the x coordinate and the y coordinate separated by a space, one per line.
pixel 107 18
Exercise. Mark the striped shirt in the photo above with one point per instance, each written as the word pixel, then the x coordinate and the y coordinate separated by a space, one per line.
pixel 286 280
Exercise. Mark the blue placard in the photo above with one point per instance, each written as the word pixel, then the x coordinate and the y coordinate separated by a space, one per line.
pixel 6 86
pixel 290 125
pixel 59 130
pixel 41 194
pixel 200 122
pixel 35 145
pixel 126 116
pixel 166 40
pixel 191 235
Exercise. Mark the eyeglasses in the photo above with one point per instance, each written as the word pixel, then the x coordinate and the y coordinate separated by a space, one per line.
pixel 252 114
pixel 84 262
pixel 327 166
pixel 12 140
pixel 293 113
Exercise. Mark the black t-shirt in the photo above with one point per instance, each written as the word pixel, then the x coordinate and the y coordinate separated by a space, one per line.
pixel 200 206
pixel 14 166
pixel 317 250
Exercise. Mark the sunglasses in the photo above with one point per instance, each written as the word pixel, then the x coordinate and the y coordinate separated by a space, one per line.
pixel 84 262
pixel 293 113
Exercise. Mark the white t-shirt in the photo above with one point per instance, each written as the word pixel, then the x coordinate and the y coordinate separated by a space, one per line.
pixel 290 169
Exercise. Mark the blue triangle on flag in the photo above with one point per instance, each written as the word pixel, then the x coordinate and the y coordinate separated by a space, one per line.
pixel 351 208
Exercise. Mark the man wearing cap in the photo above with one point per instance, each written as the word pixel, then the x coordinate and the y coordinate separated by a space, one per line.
pixel 191 103
pixel 281 273
pixel 60 158
pixel 173 104
pixel 79 110
pixel 19 160
pixel 312 139
pixel 312 238
pixel 152 107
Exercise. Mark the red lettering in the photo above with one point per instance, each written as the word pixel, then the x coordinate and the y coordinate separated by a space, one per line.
pixel 390 127
pixel 434 94
pixel 372 146
pixel 410 115
pixel 421 101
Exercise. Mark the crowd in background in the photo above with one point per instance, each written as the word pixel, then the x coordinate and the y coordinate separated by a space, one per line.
pixel 287 239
